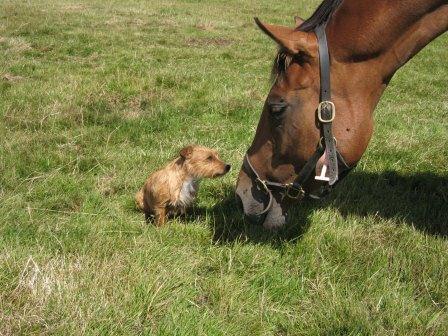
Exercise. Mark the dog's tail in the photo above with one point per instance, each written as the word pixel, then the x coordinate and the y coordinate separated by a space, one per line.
pixel 139 200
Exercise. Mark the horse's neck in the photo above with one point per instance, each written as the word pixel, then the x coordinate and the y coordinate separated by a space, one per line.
pixel 369 41
pixel 389 32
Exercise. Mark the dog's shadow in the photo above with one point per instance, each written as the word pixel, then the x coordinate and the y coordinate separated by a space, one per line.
pixel 419 200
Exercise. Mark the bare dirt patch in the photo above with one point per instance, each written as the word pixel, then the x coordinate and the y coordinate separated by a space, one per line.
pixel 144 103
pixel 207 26
pixel 74 8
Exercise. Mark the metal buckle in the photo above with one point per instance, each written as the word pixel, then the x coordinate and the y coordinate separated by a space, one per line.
pixel 263 183
pixel 299 192
pixel 326 104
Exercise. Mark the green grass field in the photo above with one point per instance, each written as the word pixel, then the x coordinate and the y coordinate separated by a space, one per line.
pixel 96 94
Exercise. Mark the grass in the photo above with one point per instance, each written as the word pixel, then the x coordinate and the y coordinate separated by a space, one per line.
pixel 96 94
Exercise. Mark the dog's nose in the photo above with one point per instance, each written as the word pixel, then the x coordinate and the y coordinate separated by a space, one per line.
pixel 227 168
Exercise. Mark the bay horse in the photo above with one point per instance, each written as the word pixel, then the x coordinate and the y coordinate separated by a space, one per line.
pixel 353 47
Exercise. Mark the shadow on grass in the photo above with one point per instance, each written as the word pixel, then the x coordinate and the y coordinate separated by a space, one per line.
pixel 419 200
pixel 228 224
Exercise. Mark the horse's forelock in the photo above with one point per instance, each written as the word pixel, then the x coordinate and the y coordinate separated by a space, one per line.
pixel 321 14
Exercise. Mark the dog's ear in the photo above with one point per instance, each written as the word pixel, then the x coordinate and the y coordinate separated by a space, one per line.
pixel 298 21
pixel 185 153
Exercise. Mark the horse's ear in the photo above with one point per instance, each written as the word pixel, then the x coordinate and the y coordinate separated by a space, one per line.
pixel 298 20
pixel 293 41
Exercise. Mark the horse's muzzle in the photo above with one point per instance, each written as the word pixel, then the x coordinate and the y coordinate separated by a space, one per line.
pixel 257 205
pixel 253 218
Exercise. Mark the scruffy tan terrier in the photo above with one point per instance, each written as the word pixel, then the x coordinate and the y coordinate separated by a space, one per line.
pixel 171 190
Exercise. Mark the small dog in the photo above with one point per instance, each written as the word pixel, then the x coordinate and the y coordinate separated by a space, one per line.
pixel 171 190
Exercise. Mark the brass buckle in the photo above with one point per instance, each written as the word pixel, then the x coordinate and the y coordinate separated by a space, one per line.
pixel 296 192
pixel 323 105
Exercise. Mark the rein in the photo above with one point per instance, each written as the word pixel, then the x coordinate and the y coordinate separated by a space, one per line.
pixel 326 113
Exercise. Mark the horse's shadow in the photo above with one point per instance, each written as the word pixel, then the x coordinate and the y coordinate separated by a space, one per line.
pixel 419 200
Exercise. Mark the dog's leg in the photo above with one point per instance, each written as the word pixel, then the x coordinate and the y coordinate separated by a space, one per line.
pixel 160 214
pixel 182 211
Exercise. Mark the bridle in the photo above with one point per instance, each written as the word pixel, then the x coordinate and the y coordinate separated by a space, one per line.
pixel 326 113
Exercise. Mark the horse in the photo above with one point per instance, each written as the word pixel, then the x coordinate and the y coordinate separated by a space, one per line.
pixel 328 76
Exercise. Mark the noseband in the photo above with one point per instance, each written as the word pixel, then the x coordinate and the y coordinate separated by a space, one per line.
pixel 325 114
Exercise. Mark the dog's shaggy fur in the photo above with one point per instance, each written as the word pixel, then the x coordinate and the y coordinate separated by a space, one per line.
pixel 171 190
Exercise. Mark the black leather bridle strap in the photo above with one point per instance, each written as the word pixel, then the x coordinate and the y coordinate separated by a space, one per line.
pixel 324 63
pixel 326 108
pixel 308 168
pixel 294 189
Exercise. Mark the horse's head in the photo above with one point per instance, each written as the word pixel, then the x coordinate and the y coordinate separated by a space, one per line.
pixel 287 132
pixel 367 45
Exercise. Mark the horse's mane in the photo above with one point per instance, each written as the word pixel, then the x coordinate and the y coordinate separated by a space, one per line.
pixel 321 14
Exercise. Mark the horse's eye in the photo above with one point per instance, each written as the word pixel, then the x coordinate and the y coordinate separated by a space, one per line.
pixel 276 108
pixel 210 158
